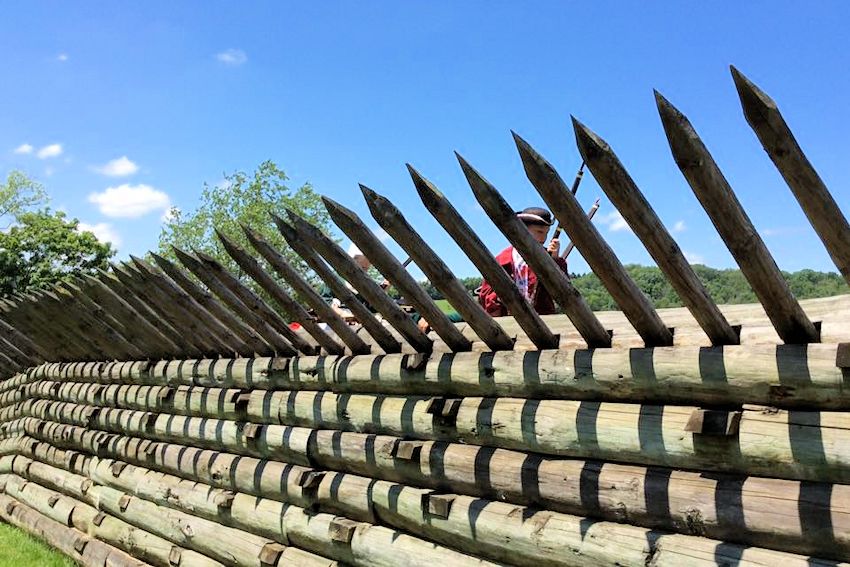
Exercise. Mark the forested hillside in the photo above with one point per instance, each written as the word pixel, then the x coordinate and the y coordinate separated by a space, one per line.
pixel 725 286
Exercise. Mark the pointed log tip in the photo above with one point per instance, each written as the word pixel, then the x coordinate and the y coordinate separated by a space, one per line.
pixel 369 194
pixel 418 178
pixel 752 97
pixel 203 256
pixel 335 208
pixel 587 138
pixel 249 232
pixel 464 165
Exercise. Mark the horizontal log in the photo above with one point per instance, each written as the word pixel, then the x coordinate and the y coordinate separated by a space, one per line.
pixel 92 553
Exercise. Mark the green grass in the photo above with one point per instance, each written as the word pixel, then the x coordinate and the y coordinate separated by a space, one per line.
pixel 19 549
pixel 444 305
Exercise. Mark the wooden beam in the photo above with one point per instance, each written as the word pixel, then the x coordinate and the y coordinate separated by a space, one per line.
pixel 360 281
pixel 306 292
pixel 347 297
pixel 600 257
pixel 202 272
pixel 457 227
pixel 354 228
pixel 630 202
pixel 811 192
pixel 549 273
pixel 292 308
pixel 216 309
pixel 255 303
pixel 437 272
pixel 734 226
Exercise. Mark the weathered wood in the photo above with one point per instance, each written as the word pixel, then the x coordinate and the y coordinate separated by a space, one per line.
pixel 370 323
pixel 65 343
pixel 175 312
pixel 213 328
pixel 368 289
pixel 254 303
pixel 188 312
pixel 216 309
pixel 811 192
pixel 51 312
pixel 94 554
pixel 437 272
pixel 630 202
pixel 734 226
pixel 549 273
pixel 378 254
pixel 306 292
pixel 598 254
pixel 457 227
pixel 119 306
pixel 23 342
pixel 291 307
pixel 146 312
pixel 203 273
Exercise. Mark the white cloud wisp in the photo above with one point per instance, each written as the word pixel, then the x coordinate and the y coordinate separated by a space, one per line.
pixel 23 149
pixel 130 201
pixel 50 151
pixel 104 232
pixel 232 57
pixel 118 167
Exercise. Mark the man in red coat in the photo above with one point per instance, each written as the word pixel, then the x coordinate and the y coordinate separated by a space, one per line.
pixel 538 221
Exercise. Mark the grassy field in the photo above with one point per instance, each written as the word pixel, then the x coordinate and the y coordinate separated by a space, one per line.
pixel 19 549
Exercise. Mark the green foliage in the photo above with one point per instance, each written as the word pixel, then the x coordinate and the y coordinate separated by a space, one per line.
pixel 44 247
pixel 242 199
pixel 18 194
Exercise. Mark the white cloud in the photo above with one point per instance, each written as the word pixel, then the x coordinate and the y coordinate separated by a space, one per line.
pixel 23 149
pixel 694 258
pixel 130 201
pixel 382 235
pixel 679 226
pixel 53 150
pixel 62 57
pixel 169 215
pixel 104 232
pixel 234 57
pixel 118 167
pixel 48 171
pixel 615 222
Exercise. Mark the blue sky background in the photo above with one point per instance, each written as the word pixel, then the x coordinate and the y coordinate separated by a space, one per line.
pixel 341 93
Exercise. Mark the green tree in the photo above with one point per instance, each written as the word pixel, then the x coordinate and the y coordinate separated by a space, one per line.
pixel 242 199
pixel 43 247
pixel 18 194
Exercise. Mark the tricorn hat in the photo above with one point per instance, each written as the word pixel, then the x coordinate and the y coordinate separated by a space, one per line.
pixel 535 215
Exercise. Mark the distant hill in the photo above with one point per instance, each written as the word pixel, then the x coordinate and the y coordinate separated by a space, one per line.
pixel 725 286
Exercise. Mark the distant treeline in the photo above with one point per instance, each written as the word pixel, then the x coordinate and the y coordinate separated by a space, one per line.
pixel 725 286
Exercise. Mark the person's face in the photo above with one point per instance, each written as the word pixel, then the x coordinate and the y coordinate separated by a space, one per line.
pixel 538 231
pixel 363 262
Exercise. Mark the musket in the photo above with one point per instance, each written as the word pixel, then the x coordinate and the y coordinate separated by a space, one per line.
pixel 590 214
pixel 573 190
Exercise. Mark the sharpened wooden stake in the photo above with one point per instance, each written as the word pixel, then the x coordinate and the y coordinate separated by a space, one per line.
pixel 381 334
pixel 550 274
pixel 600 257
pixel 148 313
pixel 202 272
pixel 811 192
pixel 628 199
pixel 306 292
pixel 291 307
pixel 353 227
pixel 253 302
pixel 457 227
pixel 181 304
pixel 218 331
pixel 368 289
pixel 735 228
pixel 439 274
pixel 157 300
pixel 214 307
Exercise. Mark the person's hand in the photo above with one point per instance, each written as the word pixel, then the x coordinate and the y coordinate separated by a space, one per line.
pixel 554 248
pixel 423 325
pixel 385 284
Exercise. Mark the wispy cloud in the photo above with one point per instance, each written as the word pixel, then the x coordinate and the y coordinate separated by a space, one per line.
pixel 104 232
pixel 694 258
pixel 118 167
pixel 62 57
pixel 23 149
pixel 382 235
pixel 615 222
pixel 233 57
pixel 50 151
pixel 679 226
pixel 130 201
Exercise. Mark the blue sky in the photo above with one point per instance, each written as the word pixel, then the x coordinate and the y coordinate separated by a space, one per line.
pixel 122 109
